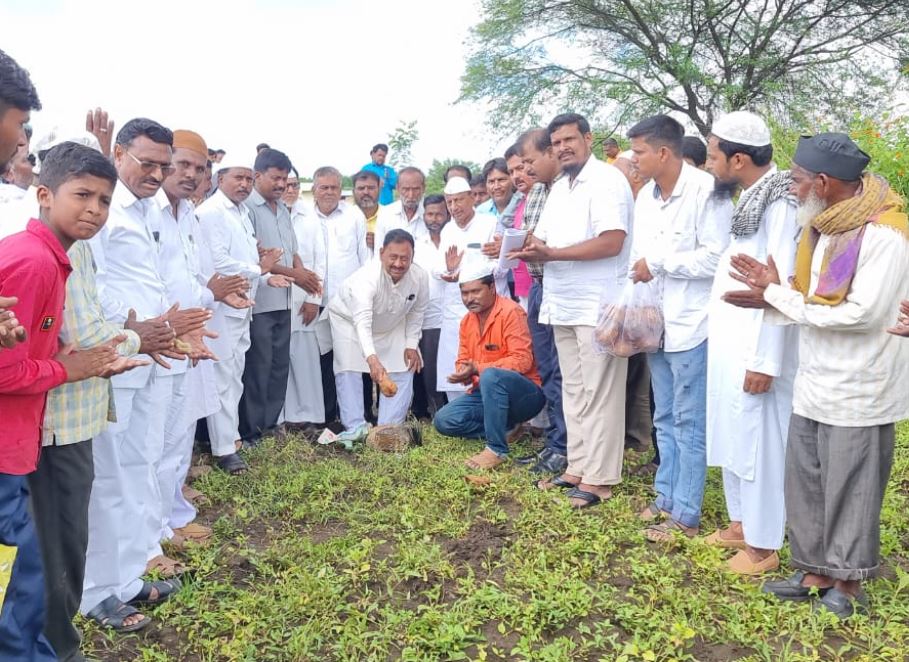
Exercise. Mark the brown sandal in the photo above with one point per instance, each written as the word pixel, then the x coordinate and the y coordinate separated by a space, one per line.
pixel 485 459
pixel 165 566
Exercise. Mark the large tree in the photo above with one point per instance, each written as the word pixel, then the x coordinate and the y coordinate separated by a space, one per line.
pixel 618 60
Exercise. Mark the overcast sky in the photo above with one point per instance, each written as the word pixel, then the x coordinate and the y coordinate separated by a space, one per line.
pixel 322 80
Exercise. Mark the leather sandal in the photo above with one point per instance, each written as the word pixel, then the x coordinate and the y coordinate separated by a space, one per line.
pixel 111 612
pixel 165 587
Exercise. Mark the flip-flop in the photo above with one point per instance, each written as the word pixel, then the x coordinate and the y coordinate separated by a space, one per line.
pixel 589 498
pixel 166 588
pixel 111 612
pixel 474 463
pixel 663 532
pixel 557 481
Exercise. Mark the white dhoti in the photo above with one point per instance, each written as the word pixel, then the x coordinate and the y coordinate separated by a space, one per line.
pixel 304 402
pixel 121 516
pixel 392 410
pixel 223 425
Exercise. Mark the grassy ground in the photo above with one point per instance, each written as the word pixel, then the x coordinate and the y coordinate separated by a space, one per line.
pixel 325 555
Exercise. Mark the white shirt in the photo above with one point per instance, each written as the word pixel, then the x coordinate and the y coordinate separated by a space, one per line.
pixel 682 239
pixel 17 207
pixel 852 373
pixel 311 249
pixel 597 201
pixel 128 274
pixel 231 241
pixel 344 235
pixel 429 256
pixel 373 315
pixel 392 217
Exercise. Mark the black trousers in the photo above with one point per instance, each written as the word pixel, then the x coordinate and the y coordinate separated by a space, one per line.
pixel 329 389
pixel 265 374
pixel 60 490
pixel 426 399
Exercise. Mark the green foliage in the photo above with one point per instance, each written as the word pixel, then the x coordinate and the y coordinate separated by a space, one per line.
pixel 885 140
pixel 625 59
pixel 434 178
pixel 401 142
pixel 323 555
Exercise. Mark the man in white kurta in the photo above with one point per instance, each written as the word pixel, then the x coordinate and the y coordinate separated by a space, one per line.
pixel 751 362
pixel 229 237
pixel 376 319
pixel 123 516
pixel 461 240
pixel 342 228
pixel 304 402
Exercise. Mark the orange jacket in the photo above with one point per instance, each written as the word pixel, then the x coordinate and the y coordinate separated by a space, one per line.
pixel 505 342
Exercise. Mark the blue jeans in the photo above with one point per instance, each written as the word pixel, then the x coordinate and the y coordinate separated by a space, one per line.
pixel 22 616
pixel 544 351
pixel 504 399
pixel 680 417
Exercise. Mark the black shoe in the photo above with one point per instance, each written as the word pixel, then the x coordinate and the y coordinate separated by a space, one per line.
pixel 791 588
pixel 555 463
pixel 841 604
pixel 533 458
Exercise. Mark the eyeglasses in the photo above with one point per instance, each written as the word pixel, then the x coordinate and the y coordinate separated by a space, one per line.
pixel 151 166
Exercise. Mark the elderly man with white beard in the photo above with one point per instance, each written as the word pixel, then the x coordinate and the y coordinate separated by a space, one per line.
pixel 850 266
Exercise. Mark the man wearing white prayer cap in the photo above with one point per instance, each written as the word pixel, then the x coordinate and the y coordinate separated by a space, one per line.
pixel 751 363
pixel 232 250
pixel 376 322
pixel 495 362
pixel 461 239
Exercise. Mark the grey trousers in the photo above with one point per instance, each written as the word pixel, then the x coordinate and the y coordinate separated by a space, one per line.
pixel 60 490
pixel 265 374
pixel 835 482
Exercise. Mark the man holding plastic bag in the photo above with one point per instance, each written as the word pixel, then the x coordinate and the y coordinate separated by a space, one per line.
pixel 681 227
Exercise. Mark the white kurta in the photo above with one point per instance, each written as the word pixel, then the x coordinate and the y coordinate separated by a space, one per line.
pixel 740 339
pixel 304 402
pixel 372 315
pixel 746 434
pixel 480 230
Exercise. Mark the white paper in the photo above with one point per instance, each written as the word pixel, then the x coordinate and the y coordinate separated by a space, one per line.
pixel 512 240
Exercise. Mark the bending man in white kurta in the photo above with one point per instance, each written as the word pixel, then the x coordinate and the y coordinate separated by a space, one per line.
pixel 751 362
pixel 376 319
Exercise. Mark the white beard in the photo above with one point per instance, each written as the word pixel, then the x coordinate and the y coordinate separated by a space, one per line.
pixel 810 209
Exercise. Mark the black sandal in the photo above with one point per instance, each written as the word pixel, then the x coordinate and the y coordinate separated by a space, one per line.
pixel 166 588
pixel 232 464
pixel 557 481
pixel 589 498
pixel 111 612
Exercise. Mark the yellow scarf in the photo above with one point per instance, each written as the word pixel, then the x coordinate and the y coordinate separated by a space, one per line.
pixel 845 223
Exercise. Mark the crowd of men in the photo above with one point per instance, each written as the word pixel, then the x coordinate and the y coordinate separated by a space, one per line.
pixel 154 292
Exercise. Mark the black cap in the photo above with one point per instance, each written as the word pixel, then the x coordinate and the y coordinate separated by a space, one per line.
pixel 833 154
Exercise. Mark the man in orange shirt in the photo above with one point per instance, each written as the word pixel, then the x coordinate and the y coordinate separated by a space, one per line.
pixel 495 361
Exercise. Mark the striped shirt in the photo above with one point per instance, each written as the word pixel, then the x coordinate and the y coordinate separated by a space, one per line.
pixel 536 200
pixel 80 410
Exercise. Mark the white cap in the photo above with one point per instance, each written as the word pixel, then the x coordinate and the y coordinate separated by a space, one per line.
pixel 475 269
pixel 743 128
pixel 57 136
pixel 228 163
pixel 456 185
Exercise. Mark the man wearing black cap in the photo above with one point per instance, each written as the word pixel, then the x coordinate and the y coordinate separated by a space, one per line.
pixel 850 267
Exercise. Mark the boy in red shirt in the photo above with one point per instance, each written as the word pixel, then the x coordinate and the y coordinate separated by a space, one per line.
pixel 74 191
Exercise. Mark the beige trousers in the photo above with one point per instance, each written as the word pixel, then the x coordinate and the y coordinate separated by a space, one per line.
pixel 593 399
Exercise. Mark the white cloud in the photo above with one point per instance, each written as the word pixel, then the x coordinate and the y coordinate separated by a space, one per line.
pixel 321 80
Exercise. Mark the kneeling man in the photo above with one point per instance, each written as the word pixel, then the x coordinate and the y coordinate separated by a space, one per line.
pixel 376 321
pixel 495 361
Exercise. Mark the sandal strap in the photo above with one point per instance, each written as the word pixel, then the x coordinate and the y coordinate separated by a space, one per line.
pixel 111 612
pixel 584 495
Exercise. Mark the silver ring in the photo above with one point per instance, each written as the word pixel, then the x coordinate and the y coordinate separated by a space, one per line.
pixel 103 130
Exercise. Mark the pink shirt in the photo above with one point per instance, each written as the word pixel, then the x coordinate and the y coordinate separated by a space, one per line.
pixel 522 279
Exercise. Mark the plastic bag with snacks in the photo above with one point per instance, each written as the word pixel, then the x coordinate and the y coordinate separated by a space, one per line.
pixel 632 323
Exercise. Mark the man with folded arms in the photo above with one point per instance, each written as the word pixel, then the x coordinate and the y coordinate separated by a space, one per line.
pixel 850 267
